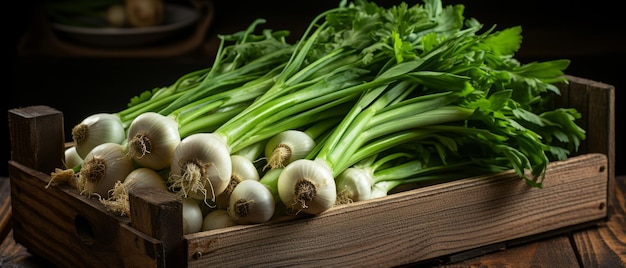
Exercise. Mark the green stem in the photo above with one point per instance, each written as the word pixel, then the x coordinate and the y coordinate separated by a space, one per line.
pixel 342 140
pixel 319 114
pixel 209 122
pixel 228 80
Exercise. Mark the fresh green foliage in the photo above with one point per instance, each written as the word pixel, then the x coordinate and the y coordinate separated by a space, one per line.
pixel 420 92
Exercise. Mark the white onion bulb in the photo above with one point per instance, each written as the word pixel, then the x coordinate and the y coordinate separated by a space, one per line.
pixel 192 216
pixel 138 178
pixel 251 202
pixel 103 167
pixel 152 138
pixel 72 159
pixel 354 184
pixel 286 147
pixel 97 129
pixel 307 186
pixel 243 169
pixel 201 166
pixel 217 219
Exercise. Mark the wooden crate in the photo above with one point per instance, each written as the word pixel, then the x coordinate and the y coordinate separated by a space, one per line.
pixel 445 222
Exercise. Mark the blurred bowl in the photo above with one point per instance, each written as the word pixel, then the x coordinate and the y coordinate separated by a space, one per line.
pixel 177 19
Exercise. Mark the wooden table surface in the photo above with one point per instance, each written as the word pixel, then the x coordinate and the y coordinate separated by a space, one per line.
pixel 601 245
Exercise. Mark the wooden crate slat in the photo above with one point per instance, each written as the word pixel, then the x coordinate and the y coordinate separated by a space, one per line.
pixel 419 224
pixel 81 233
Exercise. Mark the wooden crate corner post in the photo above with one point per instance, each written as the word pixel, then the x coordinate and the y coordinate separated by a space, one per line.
pixel 158 213
pixel 596 103
pixel 37 137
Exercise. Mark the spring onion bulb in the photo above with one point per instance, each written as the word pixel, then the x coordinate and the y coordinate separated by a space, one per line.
pixel 243 169
pixel 201 167
pixel 192 216
pixel 286 147
pixel 307 186
pixel 354 184
pixel 382 188
pixel 152 138
pixel 97 129
pixel 72 159
pixel 217 219
pixel 251 202
pixel 138 178
pixel 102 168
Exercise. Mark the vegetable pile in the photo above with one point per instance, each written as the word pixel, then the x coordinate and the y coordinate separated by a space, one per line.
pixel 368 100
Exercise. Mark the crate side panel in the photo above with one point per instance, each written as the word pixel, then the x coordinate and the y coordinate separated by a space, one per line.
pixel 69 229
pixel 417 225
pixel 44 220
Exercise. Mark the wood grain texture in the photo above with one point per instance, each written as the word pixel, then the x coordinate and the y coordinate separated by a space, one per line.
pixel 37 137
pixel 606 247
pixel 596 103
pixel 69 229
pixel 13 254
pixel 5 211
pixel 158 213
pixel 551 252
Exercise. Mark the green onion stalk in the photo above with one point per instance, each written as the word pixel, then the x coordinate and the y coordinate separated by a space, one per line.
pixel 185 100
pixel 322 74
pixel 378 176
pixel 153 124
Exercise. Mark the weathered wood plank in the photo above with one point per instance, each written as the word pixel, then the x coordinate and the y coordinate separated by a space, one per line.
pixel 596 102
pixel 13 254
pixel 550 252
pixel 69 229
pixel 5 209
pixel 606 246
pixel 419 224
pixel 158 214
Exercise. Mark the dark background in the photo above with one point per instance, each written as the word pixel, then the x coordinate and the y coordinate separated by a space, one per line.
pixel 591 35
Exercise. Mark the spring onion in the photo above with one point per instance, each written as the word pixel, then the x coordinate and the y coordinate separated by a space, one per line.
pixel 242 169
pixel 138 178
pixel 97 129
pixel 217 219
pixel 152 139
pixel 251 202
pixel 385 97
pixel 198 168
pixel 102 168
pixel 192 216
pixel 71 158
